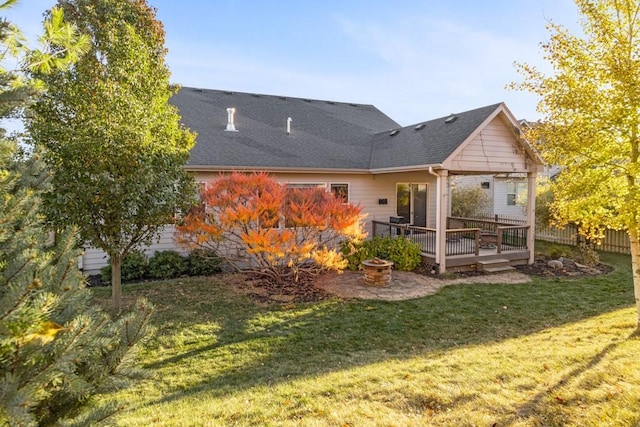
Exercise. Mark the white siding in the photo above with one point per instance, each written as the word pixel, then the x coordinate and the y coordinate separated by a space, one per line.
pixel 494 149
pixel 500 193
pixel 497 192
pixel 475 181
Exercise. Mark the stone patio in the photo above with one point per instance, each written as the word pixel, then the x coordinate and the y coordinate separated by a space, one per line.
pixel 405 285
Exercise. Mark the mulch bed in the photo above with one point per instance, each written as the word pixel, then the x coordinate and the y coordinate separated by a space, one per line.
pixel 570 268
pixel 268 291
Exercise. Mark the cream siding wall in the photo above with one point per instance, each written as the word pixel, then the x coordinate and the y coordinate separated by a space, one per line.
pixel 365 189
pixel 494 149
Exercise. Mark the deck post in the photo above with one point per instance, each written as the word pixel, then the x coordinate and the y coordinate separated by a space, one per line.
pixel 531 214
pixel 442 208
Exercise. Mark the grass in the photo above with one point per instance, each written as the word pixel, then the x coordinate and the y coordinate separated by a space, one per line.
pixel 553 352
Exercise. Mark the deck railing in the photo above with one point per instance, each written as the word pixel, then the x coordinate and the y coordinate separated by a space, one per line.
pixel 462 241
pixel 512 238
pixel 486 225
pixel 425 237
pixel 459 241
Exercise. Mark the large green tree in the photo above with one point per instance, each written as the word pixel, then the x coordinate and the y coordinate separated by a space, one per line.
pixel 57 349
pixel 115 145
pixel 591 121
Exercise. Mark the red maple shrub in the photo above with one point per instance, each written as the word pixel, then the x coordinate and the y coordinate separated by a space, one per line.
pixel 260 226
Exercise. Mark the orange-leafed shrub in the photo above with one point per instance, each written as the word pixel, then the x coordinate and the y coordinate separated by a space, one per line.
pixel 259 225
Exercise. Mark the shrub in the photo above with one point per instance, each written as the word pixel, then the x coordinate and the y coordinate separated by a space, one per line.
pixel 167 265
pixel 589 256
pixel 202 262
pixel 404 254
pixel 469 202
pixel 557 251
pixel 105 274
pixel 135 266
pixel 286 231
pixel 355 252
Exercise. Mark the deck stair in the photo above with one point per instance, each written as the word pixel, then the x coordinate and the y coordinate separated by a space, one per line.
pixel 494 266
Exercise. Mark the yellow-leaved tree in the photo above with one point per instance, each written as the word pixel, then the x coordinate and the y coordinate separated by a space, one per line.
pixel 591 121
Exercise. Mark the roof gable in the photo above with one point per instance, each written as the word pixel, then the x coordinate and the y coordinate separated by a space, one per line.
pixel 427 143
pixel 494 146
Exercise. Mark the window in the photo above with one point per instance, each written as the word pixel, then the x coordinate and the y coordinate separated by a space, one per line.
pixel 403 201
pixel 305 185
pixel 340 191
pixel 516 193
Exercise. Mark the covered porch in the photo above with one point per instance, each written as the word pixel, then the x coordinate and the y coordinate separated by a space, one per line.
pixel 421 164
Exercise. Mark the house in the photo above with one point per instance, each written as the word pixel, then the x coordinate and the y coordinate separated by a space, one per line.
pixel 506 194
pixel 397 174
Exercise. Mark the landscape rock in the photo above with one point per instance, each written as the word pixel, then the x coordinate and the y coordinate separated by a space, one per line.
pixel 555 264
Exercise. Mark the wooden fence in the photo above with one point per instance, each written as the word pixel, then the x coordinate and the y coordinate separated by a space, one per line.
pixel 614 240
pixel 506 219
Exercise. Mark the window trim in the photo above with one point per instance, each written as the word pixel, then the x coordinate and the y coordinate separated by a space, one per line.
pixel 330 189
pixel 519 189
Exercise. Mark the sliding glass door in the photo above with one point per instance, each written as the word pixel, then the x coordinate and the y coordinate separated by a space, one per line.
pixel 411 203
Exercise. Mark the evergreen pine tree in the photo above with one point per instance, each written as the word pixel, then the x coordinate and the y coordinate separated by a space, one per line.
pixel 57 350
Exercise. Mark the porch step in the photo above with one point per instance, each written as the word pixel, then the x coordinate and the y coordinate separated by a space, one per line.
pixel 494 265
pixel 498 269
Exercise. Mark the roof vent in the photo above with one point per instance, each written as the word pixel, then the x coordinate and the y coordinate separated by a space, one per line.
pixel 420 126
pixel 451 119
pixel 289 120
pixel 230 120
pixel 394 132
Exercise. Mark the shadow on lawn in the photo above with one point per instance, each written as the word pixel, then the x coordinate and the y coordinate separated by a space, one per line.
pixel 539 407
pixel 313 339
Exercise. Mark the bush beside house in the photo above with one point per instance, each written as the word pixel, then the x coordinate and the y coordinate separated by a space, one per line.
pixel 404 254
pixel 164 265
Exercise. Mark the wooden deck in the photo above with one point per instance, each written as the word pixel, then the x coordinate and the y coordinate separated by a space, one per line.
pixel 470 262
pixel 466 247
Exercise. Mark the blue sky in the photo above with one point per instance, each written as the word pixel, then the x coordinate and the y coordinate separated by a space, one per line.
pixel 414 60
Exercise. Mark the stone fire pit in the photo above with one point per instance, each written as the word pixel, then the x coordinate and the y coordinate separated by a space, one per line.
pixel 377 272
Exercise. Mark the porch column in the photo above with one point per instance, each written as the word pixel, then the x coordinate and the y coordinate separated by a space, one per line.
pixel 531 214
pixel 442 208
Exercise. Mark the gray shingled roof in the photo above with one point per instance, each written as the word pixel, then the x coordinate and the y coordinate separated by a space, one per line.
pixel 430 144
pixel 324 134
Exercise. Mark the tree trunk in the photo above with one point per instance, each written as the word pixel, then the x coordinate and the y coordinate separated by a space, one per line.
pixel 635 266
pixel 116 283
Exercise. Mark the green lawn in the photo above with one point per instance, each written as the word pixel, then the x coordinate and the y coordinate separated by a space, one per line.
pixel 551 352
